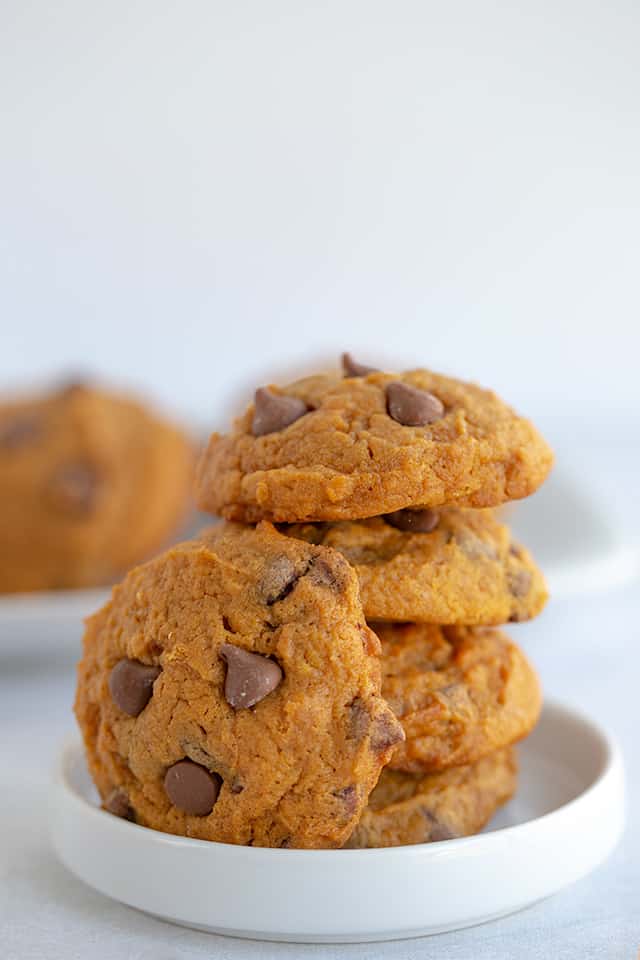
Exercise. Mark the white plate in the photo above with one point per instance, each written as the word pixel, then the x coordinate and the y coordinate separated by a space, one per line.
pixel 566 818
pixel 50 623
pixel 567 530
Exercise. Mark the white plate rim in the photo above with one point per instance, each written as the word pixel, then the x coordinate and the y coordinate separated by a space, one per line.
pixel 613 761
pixel 606 785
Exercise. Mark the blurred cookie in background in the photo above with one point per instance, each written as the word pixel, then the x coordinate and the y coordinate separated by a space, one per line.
pixel 91 482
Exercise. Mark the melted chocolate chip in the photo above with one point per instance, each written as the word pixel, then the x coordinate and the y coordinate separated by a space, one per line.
pixel 386 733
pixel 250 677
pixel 20 431
pixel 359 720
pixel 413 521
pixel 131 685
pixel 275 411
pixel 118 804
pixel 438 830
pixel 278 580
pixel 519 582
pixel 412 407
pixel 192 788
pixel 324 574
pixel 73 488
pixel 349 797
pixel 353 369
pixel 70 386
pixel 474 547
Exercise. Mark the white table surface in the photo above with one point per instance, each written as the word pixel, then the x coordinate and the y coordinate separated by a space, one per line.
pixel 587 650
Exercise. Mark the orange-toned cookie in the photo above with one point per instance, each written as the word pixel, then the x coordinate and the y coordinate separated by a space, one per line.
pixel 450 566
pixel 332 448
pixel 230 691
pixel 90 483
pixel 461 693
pixel 423 808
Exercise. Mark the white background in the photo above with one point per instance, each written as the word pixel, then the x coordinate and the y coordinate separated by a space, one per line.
pixel 202 195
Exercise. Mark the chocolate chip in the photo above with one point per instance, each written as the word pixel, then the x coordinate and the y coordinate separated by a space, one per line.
pixel 519 582
pixel 515 550
pixel 413 521
pixel 71 385
pixel 386 732
pixel 438 830
pixel 349 797
pixel 412 407
pixel 278 580
pixel 131 685
pixel 73 487
pixel 192 788
pixel 359 720
pixel 19 431
pixel 117 803
pixel 353 369
pixel 474 547
pixel 250 677
pixel 275 411
pixel 324 574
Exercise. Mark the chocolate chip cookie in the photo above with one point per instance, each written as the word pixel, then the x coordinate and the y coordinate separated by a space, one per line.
pixel 448 566
pixel 90 482
pixel 461 693
pixel 423 808
pixel 230 691
pixel 370 443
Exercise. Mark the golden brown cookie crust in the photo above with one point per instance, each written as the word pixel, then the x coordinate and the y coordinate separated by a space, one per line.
pixel 348 458
pixel 460 693
pixel 465 571
pixel 409 808
pixel 296 768
pixel 90 482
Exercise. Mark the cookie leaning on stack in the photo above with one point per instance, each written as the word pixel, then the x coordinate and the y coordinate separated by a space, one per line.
pixel 232 689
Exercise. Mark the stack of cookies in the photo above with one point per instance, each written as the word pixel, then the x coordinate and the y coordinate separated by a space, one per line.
pixel 324 669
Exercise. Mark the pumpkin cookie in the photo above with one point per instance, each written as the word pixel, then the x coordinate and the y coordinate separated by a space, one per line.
pixel 451 566
pixel 90 482
pixel 331 448
pixel 460 693
pixel 423 808
pixel 230 691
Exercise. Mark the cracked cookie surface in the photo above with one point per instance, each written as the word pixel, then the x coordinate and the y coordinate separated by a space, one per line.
pixel 424 808
pixel 331 448
pixel 460 693
pixel 230 691
pixel 463 570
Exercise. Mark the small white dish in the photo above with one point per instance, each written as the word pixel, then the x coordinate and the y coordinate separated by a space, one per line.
pixel 564 821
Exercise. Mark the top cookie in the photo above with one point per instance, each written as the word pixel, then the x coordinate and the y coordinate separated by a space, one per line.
pixel 90 482
pixel 230 691
pixel 331 448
